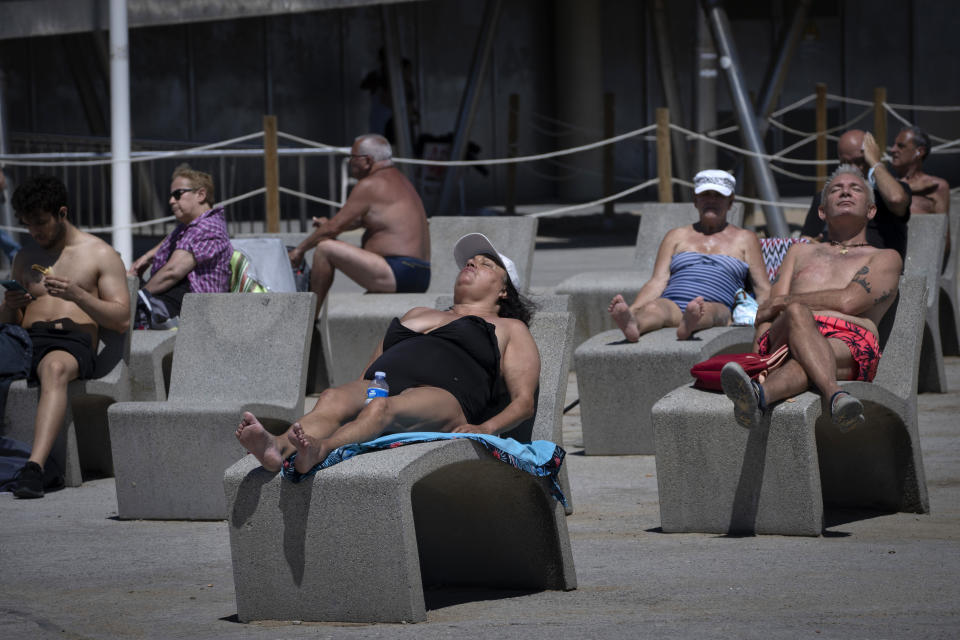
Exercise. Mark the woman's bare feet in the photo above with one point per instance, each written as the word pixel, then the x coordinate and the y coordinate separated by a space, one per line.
pixel 260 442
pixel 692 316
pixel 624 318
pixel 310 450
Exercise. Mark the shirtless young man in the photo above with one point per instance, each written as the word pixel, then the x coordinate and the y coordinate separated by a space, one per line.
pixel 85 288
pixel 698 269
pixel 395 253
pixel 825 305
pixel 441 366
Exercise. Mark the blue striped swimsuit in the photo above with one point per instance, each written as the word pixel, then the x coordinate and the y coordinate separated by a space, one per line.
pixel 714 276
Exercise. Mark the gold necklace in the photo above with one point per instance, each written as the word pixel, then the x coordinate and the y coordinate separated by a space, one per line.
pixel 846 247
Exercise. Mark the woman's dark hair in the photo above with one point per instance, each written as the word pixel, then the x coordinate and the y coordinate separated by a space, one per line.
pixel 516 305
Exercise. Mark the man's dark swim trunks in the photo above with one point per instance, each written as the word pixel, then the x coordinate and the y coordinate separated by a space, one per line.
pixel 76 343
pixel 412 274
pixel 862 344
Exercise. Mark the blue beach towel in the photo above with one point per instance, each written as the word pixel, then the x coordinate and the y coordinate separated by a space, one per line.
pixel 540 458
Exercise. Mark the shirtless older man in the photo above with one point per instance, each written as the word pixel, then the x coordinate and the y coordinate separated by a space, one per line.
pixel 395 253
pixel 75 283
pixel 825 306
pixel 698 269
pixel 930 193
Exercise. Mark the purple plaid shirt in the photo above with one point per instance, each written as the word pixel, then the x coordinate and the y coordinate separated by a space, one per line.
pixel 206 238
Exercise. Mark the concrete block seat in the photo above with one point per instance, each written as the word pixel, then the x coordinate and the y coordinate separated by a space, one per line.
pixel 590 292
pixel 151 358
pixel 234 353
pixel 357 541
pixel 714 476
pixel 619 382
pixel 926 240
pixel 354 323
pixel 949 295
pixel 85 421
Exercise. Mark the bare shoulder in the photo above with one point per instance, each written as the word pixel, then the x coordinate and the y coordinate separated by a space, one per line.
pixel 97 249
pixel 887 258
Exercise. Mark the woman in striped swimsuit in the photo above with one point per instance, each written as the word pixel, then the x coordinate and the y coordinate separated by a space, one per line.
pixel 698 269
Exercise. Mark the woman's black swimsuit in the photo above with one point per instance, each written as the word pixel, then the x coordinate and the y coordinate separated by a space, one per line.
pixel 462 357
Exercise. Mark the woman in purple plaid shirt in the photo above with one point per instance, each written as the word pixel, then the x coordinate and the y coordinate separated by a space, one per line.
pixel 195 257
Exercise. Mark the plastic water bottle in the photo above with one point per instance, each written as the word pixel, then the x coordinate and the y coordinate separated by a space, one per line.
pixel 378 387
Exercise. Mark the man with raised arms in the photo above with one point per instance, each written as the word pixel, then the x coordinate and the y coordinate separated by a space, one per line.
pixel 394 256
pixel 75 284
pixel 698 270
pixel 825 305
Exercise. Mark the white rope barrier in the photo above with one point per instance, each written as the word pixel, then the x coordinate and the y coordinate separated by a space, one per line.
pixel 798 176
pixel 16 160
pixel 918 107
pixel 747 152
pixel 539 156
pixel 840 127
pixel 307 196
pixel 312 143
pixel 899 117
pixel 836 98
pixel 593 203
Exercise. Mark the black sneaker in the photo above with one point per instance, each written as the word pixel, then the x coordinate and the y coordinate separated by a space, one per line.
pixel 29 481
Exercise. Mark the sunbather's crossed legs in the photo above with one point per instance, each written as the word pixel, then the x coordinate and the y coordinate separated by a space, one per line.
pixel 341 417
pixel 634 321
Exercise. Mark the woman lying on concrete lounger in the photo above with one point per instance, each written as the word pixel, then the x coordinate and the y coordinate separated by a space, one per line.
pixel 442 368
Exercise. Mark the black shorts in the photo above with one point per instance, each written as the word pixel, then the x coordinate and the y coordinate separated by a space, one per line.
pixel 76 343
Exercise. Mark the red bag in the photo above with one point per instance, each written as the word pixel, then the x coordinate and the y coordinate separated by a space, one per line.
pixel 707 373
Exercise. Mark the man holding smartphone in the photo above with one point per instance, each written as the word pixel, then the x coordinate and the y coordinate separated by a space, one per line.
pixel 74 284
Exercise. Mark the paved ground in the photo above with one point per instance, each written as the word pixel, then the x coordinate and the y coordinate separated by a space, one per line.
pixel 69 569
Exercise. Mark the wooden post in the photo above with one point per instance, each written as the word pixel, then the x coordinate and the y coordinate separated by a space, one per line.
pixel 608 132
pixel 664 171
pixel 513 134
pixel 821 129
pixel 271 173
pixel 880 117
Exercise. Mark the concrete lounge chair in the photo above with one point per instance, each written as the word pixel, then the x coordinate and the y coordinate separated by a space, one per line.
pixel 949 296
pixel 590 292
pixel 234 353
pixel 714 476
pixel 357 541
pixel 926 239
pixel 354 323
pixel 83 438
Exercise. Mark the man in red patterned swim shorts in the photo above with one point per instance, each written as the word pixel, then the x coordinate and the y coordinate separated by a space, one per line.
pixel 825 306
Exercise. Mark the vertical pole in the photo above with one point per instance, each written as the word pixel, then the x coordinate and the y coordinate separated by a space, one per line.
pixel 468 102
pixel 706 93
pixel 668 78
pixel 398 90
pixel 7 217
pixel 746 117
pixel 121 191
pixel 664 171
pixel 271 173
pixel 821 128
pixel 777 73
pixel 880 117
pixel 302 188
pixel 609 115
pixel 513 133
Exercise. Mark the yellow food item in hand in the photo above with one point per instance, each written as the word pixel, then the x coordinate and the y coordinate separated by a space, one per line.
pixel 42 269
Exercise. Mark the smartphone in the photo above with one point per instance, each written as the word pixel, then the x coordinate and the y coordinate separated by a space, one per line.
pixel 13 285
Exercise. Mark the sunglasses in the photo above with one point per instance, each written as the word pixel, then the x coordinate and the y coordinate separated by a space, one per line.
pixel 176 193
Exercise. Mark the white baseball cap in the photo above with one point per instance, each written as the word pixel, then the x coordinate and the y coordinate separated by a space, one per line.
pixel 714 180
pixel 475 243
